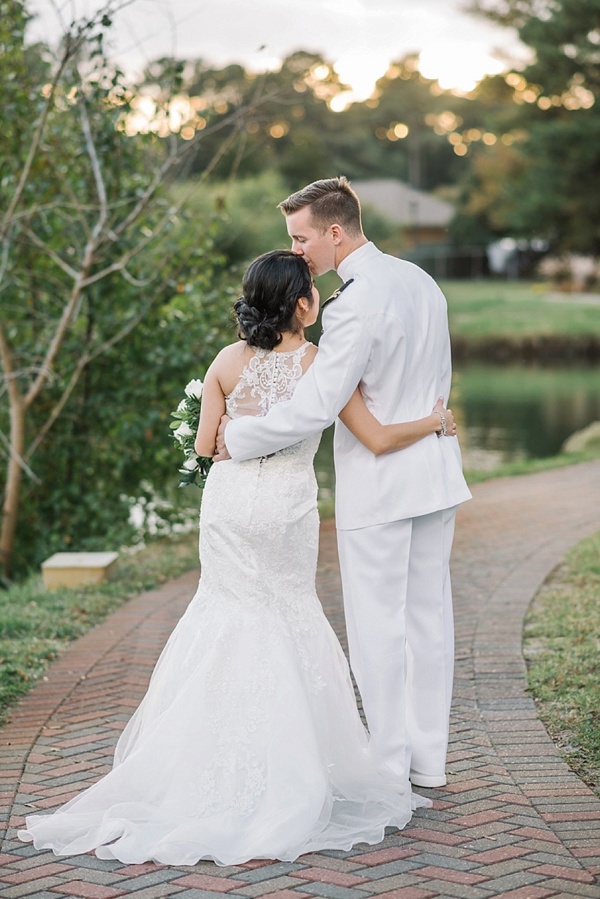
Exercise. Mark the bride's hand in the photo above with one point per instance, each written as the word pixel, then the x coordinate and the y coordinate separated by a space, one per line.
pixel 440 409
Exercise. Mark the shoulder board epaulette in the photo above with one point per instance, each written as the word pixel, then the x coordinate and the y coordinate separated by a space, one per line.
pixel 335 295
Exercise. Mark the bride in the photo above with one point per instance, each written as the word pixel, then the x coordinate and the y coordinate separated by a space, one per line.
pixel 248 743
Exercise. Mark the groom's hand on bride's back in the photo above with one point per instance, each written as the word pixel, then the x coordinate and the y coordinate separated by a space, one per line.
pixel 220 448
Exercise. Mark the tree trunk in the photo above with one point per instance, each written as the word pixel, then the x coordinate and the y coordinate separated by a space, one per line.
pixel 14 474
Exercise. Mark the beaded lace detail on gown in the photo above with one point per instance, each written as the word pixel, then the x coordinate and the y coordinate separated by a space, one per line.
pixel 248 743
pixel 268 378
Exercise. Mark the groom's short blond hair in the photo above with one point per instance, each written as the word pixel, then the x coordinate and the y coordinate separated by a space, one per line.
pixel 332 201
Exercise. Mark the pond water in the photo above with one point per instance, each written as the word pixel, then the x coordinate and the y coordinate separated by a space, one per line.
pixel 507 413
pixel 512 412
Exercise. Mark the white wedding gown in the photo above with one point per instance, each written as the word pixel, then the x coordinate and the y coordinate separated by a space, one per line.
pixel 248 743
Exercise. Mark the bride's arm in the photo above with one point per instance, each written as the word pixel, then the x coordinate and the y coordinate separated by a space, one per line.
pixel 211 410
pixel 386 438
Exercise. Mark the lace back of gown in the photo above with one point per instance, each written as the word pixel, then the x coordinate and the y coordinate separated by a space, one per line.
pixel 248 743
pixel 269 377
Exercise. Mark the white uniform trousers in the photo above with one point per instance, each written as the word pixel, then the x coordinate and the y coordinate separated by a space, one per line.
pixel 398 609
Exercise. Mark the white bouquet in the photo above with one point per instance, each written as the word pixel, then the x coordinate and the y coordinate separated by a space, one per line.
pixel 194 468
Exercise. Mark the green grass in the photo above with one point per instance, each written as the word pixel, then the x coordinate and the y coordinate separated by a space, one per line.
pixel 562 649
pixel 506 311
pixel 37 624
pixel 528 466
pixel 515 310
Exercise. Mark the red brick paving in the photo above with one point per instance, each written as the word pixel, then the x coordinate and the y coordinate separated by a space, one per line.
pixel 565 873
pixel 379 856
pixel 448 874
pixel 514 821
pixel 530 893
pixel 82 890
pixel 324 875
pixel 407 893
pixel 206 882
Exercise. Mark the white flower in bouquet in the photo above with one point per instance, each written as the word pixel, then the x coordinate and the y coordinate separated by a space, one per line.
pixel 182 431
pixel 194 388
pixel 194 469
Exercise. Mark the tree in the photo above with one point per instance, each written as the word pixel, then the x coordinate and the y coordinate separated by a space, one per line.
pixel 554 189
pixel 87 248
pixel 301 131
pixel 291 132
pixel 564 35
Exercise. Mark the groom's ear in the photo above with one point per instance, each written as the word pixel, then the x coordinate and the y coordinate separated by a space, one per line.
pixel 337 233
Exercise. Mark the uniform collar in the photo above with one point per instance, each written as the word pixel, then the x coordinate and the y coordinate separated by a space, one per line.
pixel 355 260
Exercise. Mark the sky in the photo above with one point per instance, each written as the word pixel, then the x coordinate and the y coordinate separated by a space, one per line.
pixel 360 36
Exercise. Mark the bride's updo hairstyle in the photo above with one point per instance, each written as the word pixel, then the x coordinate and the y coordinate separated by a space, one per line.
pixel 272 286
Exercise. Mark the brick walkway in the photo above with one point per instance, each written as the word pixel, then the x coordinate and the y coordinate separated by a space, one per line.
pixel 513 821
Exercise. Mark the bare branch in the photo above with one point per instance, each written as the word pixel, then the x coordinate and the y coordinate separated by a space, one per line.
pixel 4 258
pixel 8 367
pixel 31 211
pixel 61 205
pixel 96 169
pixel 175 157
pixel 58 260
pixel 75 205
pixel 9 452
pixel 82 362
pixel 72 41
pixel 83 279
pixel 79 277
pixel 70 48
pixel 57 339
pixel 120 264
pixel 110 8
pixel 137 282
pixel 143 201
pixel 89 357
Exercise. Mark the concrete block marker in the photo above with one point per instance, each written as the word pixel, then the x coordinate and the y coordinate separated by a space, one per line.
pixel 77 569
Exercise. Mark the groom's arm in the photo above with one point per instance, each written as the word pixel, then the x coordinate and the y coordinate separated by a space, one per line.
pixel 320 395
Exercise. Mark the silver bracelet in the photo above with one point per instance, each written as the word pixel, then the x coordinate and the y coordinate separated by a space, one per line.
pixel 442 431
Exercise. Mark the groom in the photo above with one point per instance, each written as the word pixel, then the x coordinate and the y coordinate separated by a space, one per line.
pixel 386 330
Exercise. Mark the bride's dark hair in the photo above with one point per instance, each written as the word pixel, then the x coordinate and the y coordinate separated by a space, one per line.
pixel 272 285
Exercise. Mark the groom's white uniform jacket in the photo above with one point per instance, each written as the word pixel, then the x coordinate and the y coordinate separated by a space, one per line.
pixel 388 331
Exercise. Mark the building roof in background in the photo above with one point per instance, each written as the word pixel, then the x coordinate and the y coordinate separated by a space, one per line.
pixel 404 205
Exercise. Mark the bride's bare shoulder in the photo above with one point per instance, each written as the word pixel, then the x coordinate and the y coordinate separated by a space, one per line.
pixel 232 354
pixel 309 355
pixel 228 365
